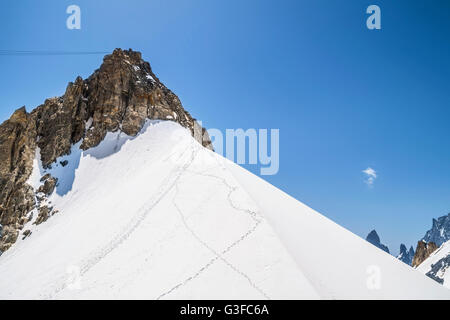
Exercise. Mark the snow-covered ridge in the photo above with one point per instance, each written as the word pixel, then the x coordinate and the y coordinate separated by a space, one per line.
pixel 157 216
pixel 437 265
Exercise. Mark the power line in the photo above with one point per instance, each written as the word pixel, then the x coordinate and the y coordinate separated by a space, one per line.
pixel 48 53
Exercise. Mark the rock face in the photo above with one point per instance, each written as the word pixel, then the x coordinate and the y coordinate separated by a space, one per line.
pixel 406 255
pixel 374 239
pixel 423 251
pixel 439 269
pixel 17 145
pixel 49 185
pixel 44 212
pixel 120 95
pixel 439 232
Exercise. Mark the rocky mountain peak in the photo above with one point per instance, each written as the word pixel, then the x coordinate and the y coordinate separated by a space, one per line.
pixel 120 95
pixel 19 116
pixel 374 239
pixel 403 248
pixel 134 57
pixel 439 232
pixel 406 255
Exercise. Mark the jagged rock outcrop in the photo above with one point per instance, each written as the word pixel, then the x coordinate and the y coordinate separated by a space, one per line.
pixel 49 185
pixel 406 255
pixel 123 93
pixel 44 212
pixel 423 251
pixel 374 239
pixel 17 145
pixel 120 95
pixel 439 269
pixel 439 232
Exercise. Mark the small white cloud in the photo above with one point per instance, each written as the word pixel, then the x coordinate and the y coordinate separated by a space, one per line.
pixel 371 175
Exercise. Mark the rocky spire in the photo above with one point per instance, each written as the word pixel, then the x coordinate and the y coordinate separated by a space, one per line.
pixel 374 239
pixel 17 145
pixel 405 255
pixel 411 252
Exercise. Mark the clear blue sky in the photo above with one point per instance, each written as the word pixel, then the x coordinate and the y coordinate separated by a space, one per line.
pixel 344 98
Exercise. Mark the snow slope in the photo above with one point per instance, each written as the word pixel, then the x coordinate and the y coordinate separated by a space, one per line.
pixel 157 216
pixel 437 264
pixel 339 264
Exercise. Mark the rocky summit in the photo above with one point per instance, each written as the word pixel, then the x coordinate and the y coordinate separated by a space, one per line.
pixel 120 95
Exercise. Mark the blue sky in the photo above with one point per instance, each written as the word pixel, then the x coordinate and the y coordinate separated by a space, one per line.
pixel 345 98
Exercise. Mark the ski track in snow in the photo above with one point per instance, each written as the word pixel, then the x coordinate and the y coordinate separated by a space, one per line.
pixel 216 254
pixel 170 182
pixel 122 236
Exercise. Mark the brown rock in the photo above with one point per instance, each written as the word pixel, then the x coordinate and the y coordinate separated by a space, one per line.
pixel 125 92
pixel 43 215
pixel 45 177
pixel 423 251
pixel 26 234
pixel 10 234
pixel 17 148
pixel 48 187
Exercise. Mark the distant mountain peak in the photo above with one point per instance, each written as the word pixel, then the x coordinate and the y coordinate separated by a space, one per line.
pixel 440 231
pixel 406 255
pixel 373 235
pixel 432 256
pixel 374 239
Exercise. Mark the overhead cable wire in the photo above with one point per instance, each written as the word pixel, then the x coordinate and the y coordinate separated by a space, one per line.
pixel 47 53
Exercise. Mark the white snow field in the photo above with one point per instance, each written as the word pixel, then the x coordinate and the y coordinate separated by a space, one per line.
pixel 444 270
pixel 157 216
